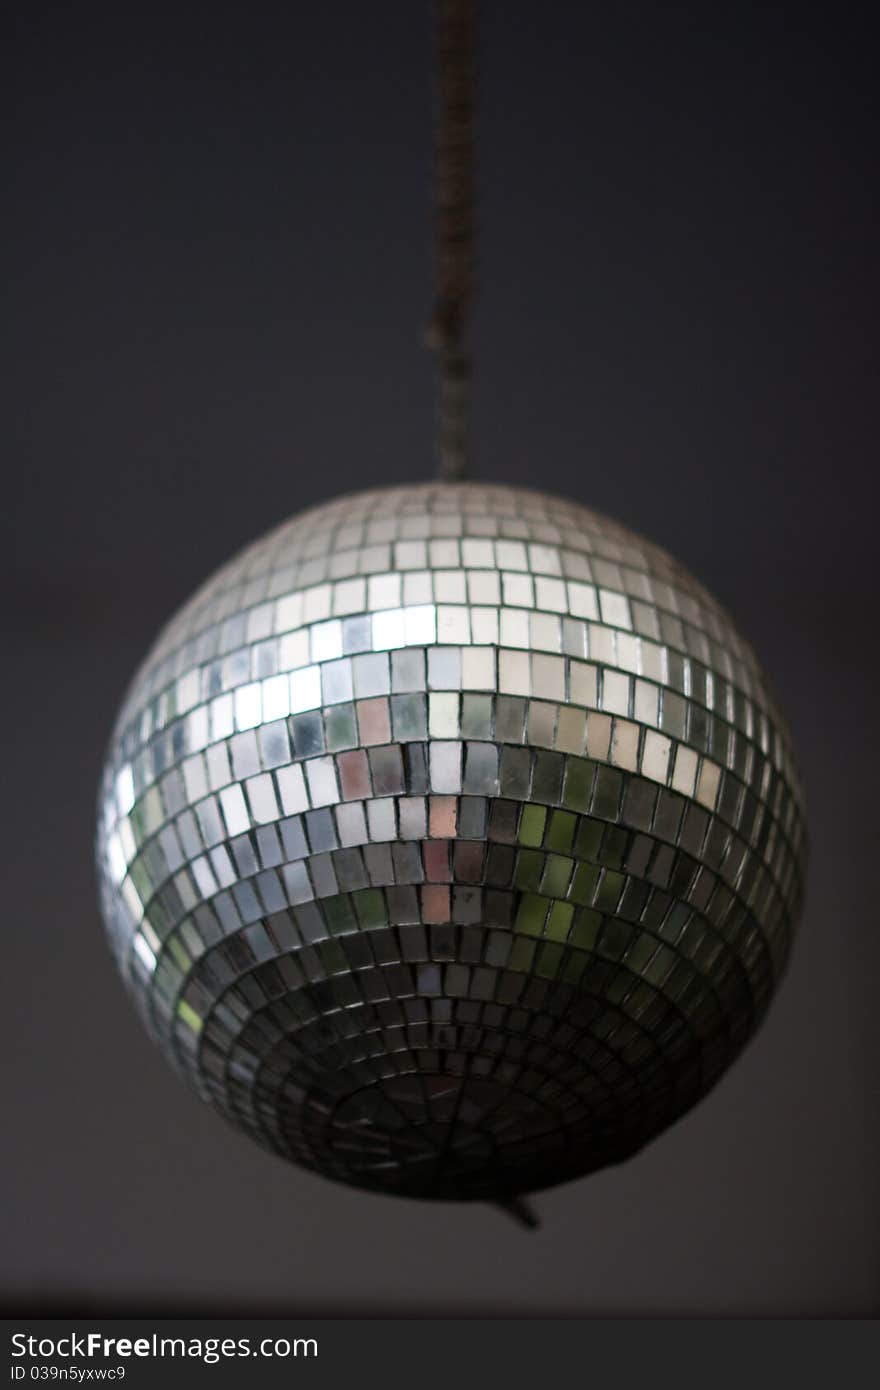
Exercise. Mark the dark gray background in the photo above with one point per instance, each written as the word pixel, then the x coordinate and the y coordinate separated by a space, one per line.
pixel 218 251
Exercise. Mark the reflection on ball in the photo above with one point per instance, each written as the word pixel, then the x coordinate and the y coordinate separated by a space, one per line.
pixel 450 841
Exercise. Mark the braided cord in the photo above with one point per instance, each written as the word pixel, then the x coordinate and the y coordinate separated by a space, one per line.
pixel 454 218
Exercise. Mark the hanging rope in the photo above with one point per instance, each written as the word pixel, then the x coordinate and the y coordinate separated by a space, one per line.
pixel 453 252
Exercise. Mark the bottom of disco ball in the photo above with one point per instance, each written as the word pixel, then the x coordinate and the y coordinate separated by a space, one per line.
pixel 442 1134
pixel 440 1137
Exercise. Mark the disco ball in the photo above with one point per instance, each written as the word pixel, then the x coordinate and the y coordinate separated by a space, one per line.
pixel 450 841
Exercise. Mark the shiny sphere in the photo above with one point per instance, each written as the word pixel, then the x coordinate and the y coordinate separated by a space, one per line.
pixel 450 841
